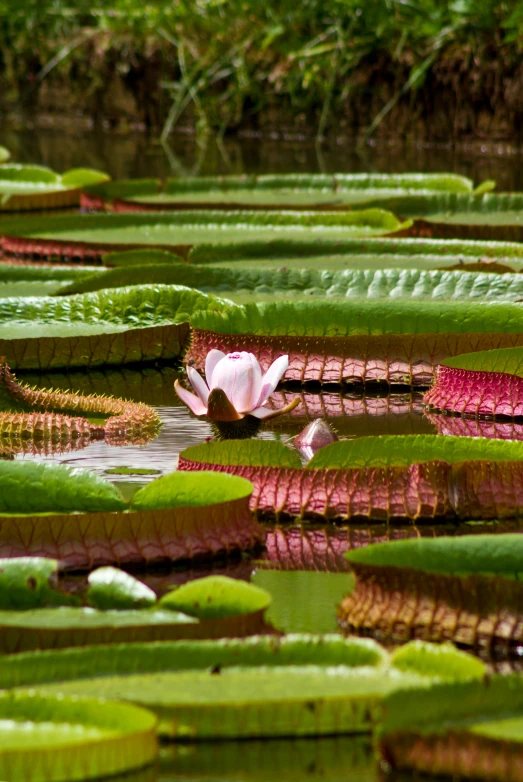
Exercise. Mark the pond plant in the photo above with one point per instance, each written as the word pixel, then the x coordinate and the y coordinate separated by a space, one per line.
pixel 199 597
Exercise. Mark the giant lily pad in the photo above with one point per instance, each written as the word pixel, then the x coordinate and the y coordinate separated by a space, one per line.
pixel 284 191
pixel 464 589
pixel 247 284
pixel 30 416
pixel 451 215
pixel 489 383
pixel 144 323
pixel 57 739
pixel 411 477
pixel 470 730
pixel 398 342
pixel 298 685
pixel 24 187
pixel 87 237
pixel 102 531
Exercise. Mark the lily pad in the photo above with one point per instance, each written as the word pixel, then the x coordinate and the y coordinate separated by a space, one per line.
pixel 216 597
pixel 92 236
pixel 410 477
pixel 284 191
pixel 30 582
pixel 105 532
pixel 142 323
pixel 232 689
pixel 24 187
pixel 490 383
pixel 61 739
pixel 111 588
pixel 242 284
pixel 474 730
pixel 465 589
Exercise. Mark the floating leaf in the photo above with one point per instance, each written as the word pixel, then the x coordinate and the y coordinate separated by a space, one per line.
pixel 84 540
pixel 111 588
pixel 215 597
pixel 143 323
pixel 127 258
pixel 470 729
pixel 4 154
pixel 24 187
pixel 406 359
pixel 30 487
pixel 59 739
pixel 259 687
pixel 437 660
pixel 285 191
pixel 411 477
pixel 464 589
pixel 242 284
pixel 197 490
pixel 30 582
pixel 91 236
pixel 489 383
pixel 252 453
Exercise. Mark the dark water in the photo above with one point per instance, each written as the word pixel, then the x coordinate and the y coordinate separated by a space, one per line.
pixel 134 155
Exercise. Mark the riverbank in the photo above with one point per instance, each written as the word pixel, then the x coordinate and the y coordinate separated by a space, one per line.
pixel 324 68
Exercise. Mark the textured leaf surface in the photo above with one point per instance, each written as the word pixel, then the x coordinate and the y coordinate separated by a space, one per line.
pixel 242 284
pixel 454 251
pixel 85 540
pixel 29 487
pixel 406 359
pixel 215 597
pixel 253 453
pixel 186 490
pixel 394 450
pixel 442 589
pixel 95 235
pixel 347 318
pixel 129 325
pixel 56 739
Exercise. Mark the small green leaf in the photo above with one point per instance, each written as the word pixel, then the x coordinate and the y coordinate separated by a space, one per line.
pixel 111 588
pixel 81 177
pixel 438 660
pixel 4 154
pixel 30 582
pixel 191 489
pixel 216 597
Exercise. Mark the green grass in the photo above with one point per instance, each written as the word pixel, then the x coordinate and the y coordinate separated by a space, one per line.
pixel 222 63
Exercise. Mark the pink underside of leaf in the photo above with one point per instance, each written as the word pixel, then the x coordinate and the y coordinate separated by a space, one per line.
pixel 405 359
pixel 476 393
pixel 421 492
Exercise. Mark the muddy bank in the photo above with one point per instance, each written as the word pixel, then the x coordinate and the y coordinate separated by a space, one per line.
pixel 465 98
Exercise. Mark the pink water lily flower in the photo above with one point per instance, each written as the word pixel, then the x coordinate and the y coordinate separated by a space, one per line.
pixel 235 387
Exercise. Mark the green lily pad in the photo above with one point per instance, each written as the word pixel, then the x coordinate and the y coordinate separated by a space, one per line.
pixel 255 453
pixel 243 284
pixel 215 597
pixel 38 187
pixel 111 588
pixel 508 360
pixel 60 739
pixel 181 489
pixel 284 191
pixel 30 487
pixel 226 689
pixel 30 582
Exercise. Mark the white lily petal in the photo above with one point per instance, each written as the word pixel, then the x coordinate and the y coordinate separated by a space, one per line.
pixel 192 401
pixel 213 356
pixel 199 384
pixel 272 377
pixel 239 376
